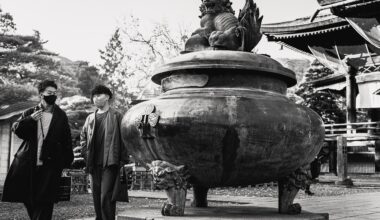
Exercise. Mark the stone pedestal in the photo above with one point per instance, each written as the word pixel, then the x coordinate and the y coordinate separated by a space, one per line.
pixel 220 213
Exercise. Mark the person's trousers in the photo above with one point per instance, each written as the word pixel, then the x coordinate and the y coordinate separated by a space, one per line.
pixel 102 184
pixel 40 211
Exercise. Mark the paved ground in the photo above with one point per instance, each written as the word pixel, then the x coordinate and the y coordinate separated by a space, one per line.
pixel 349 207
pixel 220 213
pixel 357 206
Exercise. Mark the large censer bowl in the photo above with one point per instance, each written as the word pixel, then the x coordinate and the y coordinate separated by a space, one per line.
pixel 225 115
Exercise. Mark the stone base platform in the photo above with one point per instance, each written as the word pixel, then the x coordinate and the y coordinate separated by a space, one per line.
pixel 225 212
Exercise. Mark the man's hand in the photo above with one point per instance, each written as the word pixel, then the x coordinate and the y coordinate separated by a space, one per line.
pixel 37 115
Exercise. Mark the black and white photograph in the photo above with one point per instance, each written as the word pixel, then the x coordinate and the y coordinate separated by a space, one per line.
pixel 189 109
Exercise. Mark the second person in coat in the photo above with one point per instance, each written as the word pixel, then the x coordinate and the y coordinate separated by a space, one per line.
pixel 104 151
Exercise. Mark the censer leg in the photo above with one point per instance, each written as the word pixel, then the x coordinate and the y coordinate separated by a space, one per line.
pixel 172 179
pixel 288 188
pixel 175 205
pixel 286 195
pixel 199 196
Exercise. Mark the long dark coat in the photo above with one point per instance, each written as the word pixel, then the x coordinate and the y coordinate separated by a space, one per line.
pixel 22 183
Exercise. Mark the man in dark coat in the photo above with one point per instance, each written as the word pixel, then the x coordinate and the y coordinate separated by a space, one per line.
pixel 33 178
pixel 104 153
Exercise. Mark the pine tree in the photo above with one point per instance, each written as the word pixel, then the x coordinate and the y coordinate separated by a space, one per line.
pixel 113 55
pixel 113 71
pixel 88 76
pixel 329 105
pixel 24 62
pixel 6 23
pixel 317 71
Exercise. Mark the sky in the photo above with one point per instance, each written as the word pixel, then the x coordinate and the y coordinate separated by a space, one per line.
pixel 77 29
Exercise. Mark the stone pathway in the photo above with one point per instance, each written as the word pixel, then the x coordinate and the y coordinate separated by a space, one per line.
pixel 355 206
pixel 349 207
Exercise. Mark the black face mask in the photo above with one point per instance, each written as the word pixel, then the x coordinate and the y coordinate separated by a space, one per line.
pixel 50 99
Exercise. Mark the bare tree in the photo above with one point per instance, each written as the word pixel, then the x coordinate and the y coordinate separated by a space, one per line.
pixel 151 47
pixel 140 50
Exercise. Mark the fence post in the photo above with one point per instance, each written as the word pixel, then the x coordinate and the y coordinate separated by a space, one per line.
pixel 141 180
pixel 342 162
pixel 377 156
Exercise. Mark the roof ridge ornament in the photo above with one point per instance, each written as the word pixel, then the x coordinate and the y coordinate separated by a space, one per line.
pixel 221 30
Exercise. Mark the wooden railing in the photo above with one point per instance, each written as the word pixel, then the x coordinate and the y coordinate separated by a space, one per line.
pixel 79 180
pixel 359 130
pixel 352 138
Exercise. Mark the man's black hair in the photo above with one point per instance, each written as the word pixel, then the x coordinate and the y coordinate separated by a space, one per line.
pixel 101 89
pixel 44 84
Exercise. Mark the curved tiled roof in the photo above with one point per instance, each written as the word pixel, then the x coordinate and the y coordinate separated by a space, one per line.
pixel 327 2
pixel 8 111
pixel 323 23
pixel 308 33
pixel 302 23
pixel 303 27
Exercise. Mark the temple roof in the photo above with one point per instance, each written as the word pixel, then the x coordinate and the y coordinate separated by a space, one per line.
pixel 302 27
pixel 330 39
pixel 331 21
pixel 328 2
pixel 350 3
pixel 348 34
pixel 8 111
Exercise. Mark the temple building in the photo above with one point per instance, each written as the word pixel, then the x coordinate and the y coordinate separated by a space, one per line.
pixel 344 35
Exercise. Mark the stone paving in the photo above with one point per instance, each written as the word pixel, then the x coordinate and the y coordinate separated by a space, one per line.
pixel 356 206
pixel 219 213
pixel 348 207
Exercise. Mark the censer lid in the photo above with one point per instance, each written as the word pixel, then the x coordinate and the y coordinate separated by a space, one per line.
pixel 224 59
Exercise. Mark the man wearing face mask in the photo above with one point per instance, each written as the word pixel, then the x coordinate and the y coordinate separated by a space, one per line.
pixel 104 152
pixel 33 178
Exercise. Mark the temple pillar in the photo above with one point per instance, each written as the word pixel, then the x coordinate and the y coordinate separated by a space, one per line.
pixel 342 162
pixel 351 93
pixel 374 115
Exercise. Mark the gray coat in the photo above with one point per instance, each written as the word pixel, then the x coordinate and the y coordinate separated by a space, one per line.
pixel 115 152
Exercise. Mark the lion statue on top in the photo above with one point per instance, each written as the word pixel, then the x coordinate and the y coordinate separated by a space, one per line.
pixel 220 29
